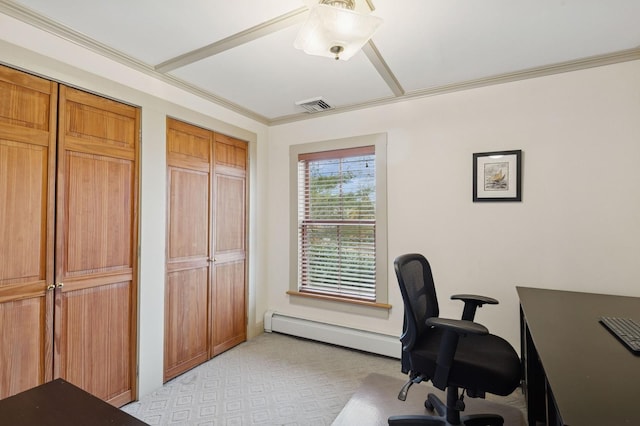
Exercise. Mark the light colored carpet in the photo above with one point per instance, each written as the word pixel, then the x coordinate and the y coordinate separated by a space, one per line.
pixel 272 379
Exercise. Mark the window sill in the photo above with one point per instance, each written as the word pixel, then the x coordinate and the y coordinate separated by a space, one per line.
pixel 339 299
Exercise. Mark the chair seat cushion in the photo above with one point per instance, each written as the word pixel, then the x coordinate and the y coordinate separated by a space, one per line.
pixel 482 363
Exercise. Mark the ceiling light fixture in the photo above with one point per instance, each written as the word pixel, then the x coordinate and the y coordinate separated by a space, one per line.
pixel 334 29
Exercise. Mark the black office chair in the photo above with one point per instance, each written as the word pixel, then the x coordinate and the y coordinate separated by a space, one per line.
pixel 453 354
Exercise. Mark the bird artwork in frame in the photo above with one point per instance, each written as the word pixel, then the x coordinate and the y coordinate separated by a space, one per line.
pixel 497 176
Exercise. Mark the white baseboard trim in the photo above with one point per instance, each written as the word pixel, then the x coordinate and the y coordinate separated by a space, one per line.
pixel 367 341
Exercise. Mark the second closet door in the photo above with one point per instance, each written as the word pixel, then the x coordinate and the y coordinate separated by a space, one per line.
pixel 205 309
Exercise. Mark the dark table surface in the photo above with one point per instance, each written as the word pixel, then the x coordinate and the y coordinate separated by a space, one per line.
pixel 594 378
pixel 59 403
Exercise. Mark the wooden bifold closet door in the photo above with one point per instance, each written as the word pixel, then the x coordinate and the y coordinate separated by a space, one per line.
pixel 28 111
pixel 96 247
pixel 205 309
pixel 75 318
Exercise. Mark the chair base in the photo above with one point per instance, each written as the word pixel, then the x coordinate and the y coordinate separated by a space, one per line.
pixel 472 420
pixel 445 417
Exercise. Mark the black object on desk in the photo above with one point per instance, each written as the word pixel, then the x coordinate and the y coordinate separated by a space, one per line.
pixel 576 372
pixel 60 403
pixel 626 330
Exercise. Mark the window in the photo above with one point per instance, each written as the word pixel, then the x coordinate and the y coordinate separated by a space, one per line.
pixel 340 250
pixel 337 223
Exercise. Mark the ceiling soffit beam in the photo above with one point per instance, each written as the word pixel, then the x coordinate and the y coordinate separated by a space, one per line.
pixel 378 62
pixel 251 34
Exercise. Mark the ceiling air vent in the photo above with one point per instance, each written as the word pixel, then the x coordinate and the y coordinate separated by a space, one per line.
pixel 314 105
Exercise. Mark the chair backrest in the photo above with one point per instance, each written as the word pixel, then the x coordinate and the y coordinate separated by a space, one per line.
pixel 418 293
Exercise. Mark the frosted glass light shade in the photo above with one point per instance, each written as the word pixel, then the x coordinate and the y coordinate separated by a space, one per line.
pixel 335 32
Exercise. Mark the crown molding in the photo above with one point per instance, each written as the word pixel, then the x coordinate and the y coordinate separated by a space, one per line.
pixel 568 66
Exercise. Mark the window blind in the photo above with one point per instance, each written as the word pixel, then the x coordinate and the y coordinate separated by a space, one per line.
pixel 337 223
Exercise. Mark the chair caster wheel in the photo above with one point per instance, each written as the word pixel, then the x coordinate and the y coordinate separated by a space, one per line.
pixel 428 405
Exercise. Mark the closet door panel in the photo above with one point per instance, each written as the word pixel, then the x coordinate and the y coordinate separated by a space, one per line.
pixel 22 345
pixel 229 324
pixel 23 195
pixel 186 320
pixel 28 107
pixel 187 283
pixel 98 220
pixel 188 238
pixel 91 356
pixel 229 284
pixel 188 213
pixel 96 286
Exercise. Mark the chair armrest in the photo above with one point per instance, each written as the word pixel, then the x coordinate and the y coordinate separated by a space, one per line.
pixel 474 297
pixel 471 303
pixel 460 327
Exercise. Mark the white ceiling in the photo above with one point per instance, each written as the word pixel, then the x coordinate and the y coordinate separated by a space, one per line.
pixel 424 47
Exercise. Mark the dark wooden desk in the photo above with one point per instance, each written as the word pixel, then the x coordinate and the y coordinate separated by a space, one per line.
pixel 59 403
pixel 576 372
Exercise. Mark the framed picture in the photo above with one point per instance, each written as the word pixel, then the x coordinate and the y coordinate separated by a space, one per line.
pixel 497 176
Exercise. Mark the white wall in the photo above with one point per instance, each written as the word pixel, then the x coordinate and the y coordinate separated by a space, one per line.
pixel 41 53
pixel 577 228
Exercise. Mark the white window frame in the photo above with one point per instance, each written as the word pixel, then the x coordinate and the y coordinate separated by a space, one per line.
pixel 380 142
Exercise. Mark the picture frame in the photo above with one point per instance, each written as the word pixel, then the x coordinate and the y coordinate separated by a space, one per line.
pixel 497 176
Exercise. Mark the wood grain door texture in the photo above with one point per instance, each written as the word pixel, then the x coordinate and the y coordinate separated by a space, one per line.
pixel 74 319
pixel 28 109
pixel 228 295
pixel 96 241
pixel 188 239
pixel 205 310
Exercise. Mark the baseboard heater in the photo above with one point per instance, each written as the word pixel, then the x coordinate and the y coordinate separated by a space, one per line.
pixel 367 341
